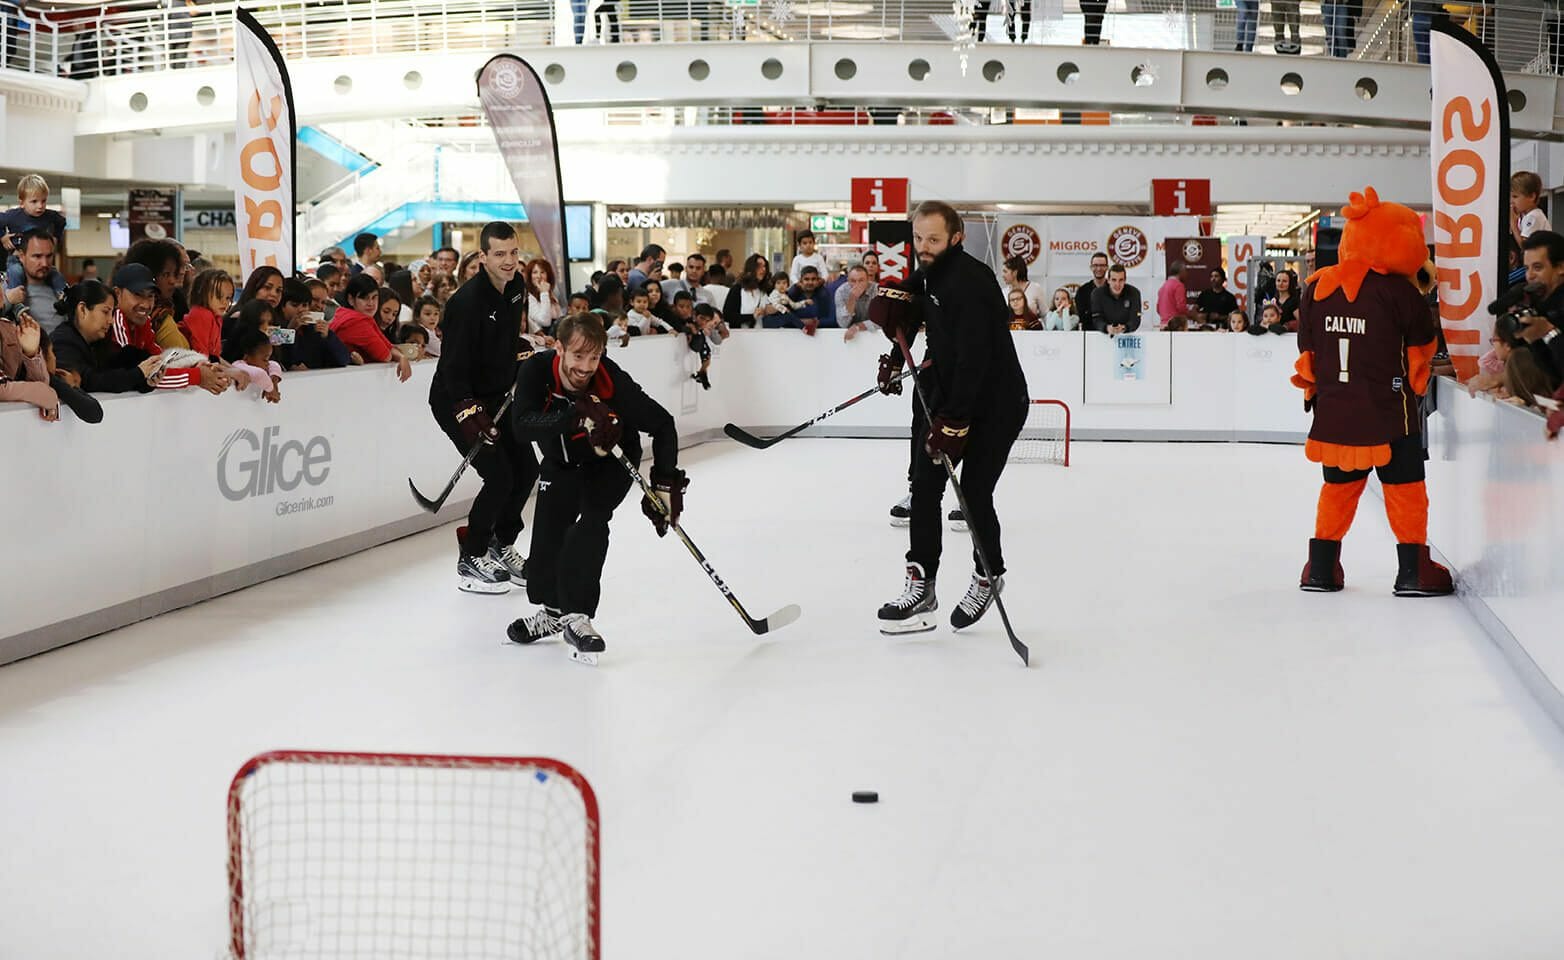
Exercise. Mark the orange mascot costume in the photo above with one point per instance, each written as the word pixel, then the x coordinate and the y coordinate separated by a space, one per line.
pixel 1365 340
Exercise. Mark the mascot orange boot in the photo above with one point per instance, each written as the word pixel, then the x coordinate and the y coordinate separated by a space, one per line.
pixel 1365 339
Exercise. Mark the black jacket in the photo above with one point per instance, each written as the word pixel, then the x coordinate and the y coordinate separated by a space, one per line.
pixel 544 413
pixel 480 342
pixel 104 370
pixel 1108 310
pixel 312 350
pixel 976 371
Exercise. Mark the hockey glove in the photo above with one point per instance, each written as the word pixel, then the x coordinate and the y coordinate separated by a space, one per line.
pixel 475 423
pixel 669 487
pixel 895 311
pixel 599 423
pixel 889 377
pixel 948 437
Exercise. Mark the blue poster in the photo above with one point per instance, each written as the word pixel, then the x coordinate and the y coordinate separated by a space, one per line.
pixel 1129 357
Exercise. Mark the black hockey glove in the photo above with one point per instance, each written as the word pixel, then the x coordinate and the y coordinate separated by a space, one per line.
pixel 475 423
pixel 948 437
pixel 889 377
pixel 895 311
pixel 598 423
pixel 669 486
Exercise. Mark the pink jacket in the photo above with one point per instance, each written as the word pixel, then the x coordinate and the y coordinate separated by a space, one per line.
pixel 1172 300
pixel 260 379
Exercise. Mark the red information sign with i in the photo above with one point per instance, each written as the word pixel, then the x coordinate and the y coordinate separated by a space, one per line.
pixel 878 196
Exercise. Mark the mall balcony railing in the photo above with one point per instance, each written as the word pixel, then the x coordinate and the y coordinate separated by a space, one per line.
pixel 84 42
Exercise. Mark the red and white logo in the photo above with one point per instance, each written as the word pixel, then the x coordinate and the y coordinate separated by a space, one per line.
pixel 1194 252
pixel 1128 246
pixel 893 260
pixel 1021 241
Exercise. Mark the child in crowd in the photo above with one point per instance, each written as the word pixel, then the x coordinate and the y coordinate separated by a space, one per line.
pixel 707 334
pixel 427 313
pixel 1021 315
pixel 32 214
pixel 1525 380
pixel 1270 320
pixel 579 304
pixel 413 340
pixel 807 255
pixel 1062 315
pixel 780 284
pixel 641 320
pixel 254 361
pixel 1526 218
pixel 210 296
pixel 1237 322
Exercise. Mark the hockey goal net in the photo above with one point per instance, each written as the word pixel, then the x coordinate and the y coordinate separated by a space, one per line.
pixel 363 855
pixel 1046 436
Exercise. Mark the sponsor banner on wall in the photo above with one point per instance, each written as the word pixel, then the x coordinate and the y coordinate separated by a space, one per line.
pixel 519 112
pixel 1470 134
pixel 1240 250
pixel 265 136
pixel 891 240
pixel 1023 237
pixel 1129 356
pixel 1136 242
pixel 1200 255
pixel 151 214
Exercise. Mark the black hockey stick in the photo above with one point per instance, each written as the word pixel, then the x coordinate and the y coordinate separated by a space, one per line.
pixel 961 499
pixel 750 440
pixel 776 621
pixel 433 506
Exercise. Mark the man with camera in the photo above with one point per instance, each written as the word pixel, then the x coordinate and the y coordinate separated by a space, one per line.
pixel 1543 254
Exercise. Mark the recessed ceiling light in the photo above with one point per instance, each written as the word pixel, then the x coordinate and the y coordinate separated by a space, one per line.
pixel 105 216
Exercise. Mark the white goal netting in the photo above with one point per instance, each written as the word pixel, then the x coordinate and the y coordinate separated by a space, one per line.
pixel 1046 436
pixel 344 856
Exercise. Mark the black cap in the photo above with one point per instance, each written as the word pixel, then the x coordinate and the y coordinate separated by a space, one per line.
pixel 133 277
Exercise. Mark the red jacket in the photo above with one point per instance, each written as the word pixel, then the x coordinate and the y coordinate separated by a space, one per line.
pixel 204 330
pixel 140 336
pixel 361 333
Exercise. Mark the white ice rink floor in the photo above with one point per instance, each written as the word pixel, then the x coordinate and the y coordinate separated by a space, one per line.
pixel 1202 763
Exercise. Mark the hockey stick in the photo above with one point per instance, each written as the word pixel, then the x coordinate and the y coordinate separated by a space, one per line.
pixel 776 621
pixel 433 506
pixel 750 440
pixel 961 500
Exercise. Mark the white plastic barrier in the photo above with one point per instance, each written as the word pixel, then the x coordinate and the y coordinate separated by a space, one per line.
pixel 1496 484
pixel 178 497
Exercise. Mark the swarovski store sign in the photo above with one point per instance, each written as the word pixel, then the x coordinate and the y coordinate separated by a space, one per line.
pixel 710 218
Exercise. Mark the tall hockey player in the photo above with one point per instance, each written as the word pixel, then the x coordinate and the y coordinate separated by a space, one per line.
pixel 1365 339
pixel 482 343
pixel 978 399
pixel 577 405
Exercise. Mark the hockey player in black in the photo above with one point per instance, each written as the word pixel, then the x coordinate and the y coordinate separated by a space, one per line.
pixel 481 346
pixel 577 405
pixel 979 400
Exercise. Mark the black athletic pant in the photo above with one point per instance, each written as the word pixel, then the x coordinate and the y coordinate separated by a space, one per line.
pixel 983 460
pixel 508 467
pixel 570 533
pixel 1092 36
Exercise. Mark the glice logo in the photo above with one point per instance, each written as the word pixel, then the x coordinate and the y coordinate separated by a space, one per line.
pixel 251 466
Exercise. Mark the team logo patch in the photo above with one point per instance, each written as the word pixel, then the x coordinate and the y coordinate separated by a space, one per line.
pixel 1021 241
pixel 1128 245
pixel 507 79
pixel 1193 251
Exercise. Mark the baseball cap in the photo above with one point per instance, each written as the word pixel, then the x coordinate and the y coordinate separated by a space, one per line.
pixel 133 277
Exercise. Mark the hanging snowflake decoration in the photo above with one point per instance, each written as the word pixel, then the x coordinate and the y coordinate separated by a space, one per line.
pixel 965 12
pixel 781 12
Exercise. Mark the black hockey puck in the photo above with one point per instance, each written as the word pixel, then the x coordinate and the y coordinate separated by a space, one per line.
pixel 865 796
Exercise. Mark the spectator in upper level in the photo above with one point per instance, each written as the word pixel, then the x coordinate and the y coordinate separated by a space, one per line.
pixel 445 260
pixel 1083 293
pixel 816 306
pixel 24 369
pixel 43 282
pixel 1248 25
pixel 1093 10
pixel 1284 20
pixel 1062 315
pixel 649 262
pixel 748 300
pixel 366 252
pixel 852 302
pixel 1015 278
pixel 1340 18
pixel 1116 305
pixel 32 214
pixel 210 298
pixel 1173 296
pixel 806 255
pixel 1216 302
pixel 355 326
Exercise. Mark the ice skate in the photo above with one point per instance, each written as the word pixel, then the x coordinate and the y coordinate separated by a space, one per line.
pixel 912 611
pixel 481 575
pixel 1419 575
pixel 958 520
pixel 584 640
pixel 901 514
pixel 511 559
pixel 980 596
pixel 534 627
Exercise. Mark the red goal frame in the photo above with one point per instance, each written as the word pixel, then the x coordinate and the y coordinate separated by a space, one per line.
pixel 425 760
pixel 1066 407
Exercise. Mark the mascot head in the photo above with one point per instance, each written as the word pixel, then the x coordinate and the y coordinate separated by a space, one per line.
pixel 1379 237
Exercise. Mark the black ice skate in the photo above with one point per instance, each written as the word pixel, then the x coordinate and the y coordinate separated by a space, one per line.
pixel 958 520
pixel 511 559
pixel 481 575
pixel 584 640
pixel 911 612
pixel 545 623
pixel 980 596
pixel 901 514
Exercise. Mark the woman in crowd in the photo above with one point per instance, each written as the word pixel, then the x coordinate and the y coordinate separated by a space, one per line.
pixel 748 300
pixel 24 370
pixel 1287 301
pixel 355 325
pixel 1062 316
pixel 255 315
pixel 88 309
pixel 1021 315
pixel 659 307
pixel 542 302
pixel 402 282
pixel 1525 380
pixel 389 315
pixel 1014 271
pixel 165 261
pixel 620 269
pixel 210 297
pixel 264 284
pixel 443 287
pixel 468 268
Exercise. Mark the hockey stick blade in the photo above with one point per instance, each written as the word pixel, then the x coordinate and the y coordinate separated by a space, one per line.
pixel 777 620
pixel 736 432
pixel 429 506
pixel 433 506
